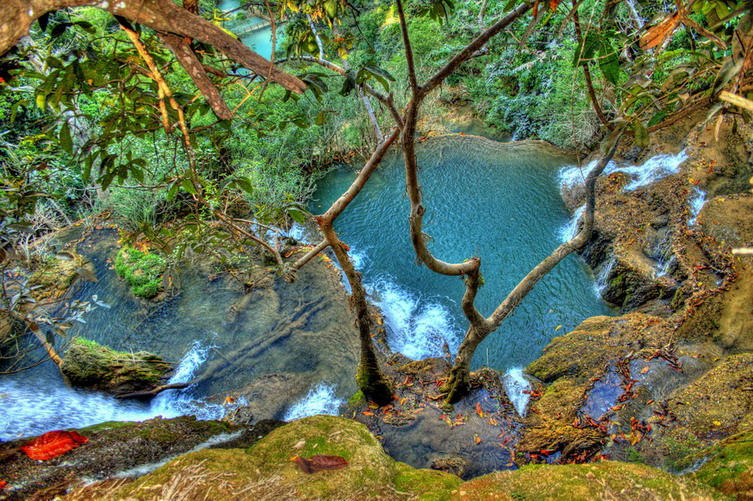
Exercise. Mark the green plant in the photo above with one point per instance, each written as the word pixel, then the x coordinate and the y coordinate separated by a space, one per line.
pixel 141 270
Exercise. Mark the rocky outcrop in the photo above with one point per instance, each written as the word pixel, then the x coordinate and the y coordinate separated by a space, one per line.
pixel 265 472
pixel 112 448
pixel 88 364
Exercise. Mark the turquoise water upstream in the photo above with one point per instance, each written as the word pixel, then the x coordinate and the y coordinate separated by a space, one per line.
pixel 499 201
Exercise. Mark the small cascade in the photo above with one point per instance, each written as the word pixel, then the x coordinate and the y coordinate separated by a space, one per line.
pixel 602 278
pixel 570 230
pixel 662 269
pixel 652 170
pixel 417 329
pixel 33 409
pixel 518 389
pixel 697 201
pixel 319 400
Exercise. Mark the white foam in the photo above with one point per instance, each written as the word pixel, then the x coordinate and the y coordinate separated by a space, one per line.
pixel 697 201
pixel 319 400
pixel 600 284
pixel 417 329
pixel 570 230
pixel 27 410
pixel 652 170
pixel 515 385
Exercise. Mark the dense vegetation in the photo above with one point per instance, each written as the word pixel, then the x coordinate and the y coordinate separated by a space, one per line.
pixel 100 115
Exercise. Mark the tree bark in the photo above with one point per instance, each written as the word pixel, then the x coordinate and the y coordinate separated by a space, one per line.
pixel 160 15
pixel 370 378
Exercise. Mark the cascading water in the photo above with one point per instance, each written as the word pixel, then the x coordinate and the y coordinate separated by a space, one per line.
pixel 319 400
pixel 499 201
pixel 653 169
pixel 518 389
pixel 570 230
pixel 697 201
pixel 34 407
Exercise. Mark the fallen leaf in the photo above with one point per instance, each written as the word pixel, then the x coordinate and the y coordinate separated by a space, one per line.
pixel 477 439
pixel 53 444
pixel 644 370
pixel 479 411
pixel 320 462
pixel 367 413
pixel 3 483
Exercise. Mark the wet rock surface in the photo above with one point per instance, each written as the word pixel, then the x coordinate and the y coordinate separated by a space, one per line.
pixel 112 448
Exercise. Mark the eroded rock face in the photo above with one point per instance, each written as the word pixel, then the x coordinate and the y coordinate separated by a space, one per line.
pixel 90 365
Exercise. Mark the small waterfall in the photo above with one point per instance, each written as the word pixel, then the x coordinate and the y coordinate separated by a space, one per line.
pixel 697 201
pixel 602 279
pixel 515 386
pixel 33 409
pixel 319 400
pixel 664 266
pixel 417 329
pixel 569 230
pixel 652 170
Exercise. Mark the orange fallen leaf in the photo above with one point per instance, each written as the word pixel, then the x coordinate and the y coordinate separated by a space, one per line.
pixel 644 370
pixel 367 413
pixel 477 439
pixel 53 444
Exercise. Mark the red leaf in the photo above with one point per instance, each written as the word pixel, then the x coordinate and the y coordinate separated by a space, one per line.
pixel 320 462
pixel 53 444
pixel 3 483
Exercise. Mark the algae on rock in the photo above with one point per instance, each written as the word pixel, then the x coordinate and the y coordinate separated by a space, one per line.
pixel 90 365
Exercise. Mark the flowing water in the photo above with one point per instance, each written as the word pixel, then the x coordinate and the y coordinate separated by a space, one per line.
pixel 198 329
pixel 500 201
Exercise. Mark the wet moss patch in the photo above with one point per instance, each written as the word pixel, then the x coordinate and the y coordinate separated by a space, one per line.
pixel 141 270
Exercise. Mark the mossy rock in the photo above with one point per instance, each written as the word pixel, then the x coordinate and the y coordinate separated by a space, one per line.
pixel 715 406
pixel 604 480
pixel 54 275
pixel 731 468
pixel 141 270
pixel 265 471
pixel 88 364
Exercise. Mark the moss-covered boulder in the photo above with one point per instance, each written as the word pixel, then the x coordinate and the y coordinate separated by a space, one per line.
pixel 730 470
pixel 88 364
pixel 142 270
pixel 604 480
pixel 265 471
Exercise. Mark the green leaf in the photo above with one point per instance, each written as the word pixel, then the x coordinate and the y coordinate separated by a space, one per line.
pixel 657 118
pixel 188 186
pixel 641 134
pixel 586 51
pixel 173 191
pixel 320 118
pixel 245 184
pixel 609 62
pixel 66 142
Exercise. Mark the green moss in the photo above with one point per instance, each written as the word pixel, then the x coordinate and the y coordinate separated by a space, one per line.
pixel 141 270
pixel 107 425
pixel 425 484
pixel 356 399
pixel 730 470
pixel 90 365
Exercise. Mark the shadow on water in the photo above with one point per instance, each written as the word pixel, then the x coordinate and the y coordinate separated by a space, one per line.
pixel 500 201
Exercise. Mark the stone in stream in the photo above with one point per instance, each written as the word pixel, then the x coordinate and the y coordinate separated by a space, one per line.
pixel 88 364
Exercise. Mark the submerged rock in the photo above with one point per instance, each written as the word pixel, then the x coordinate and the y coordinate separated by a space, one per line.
pixel 88 364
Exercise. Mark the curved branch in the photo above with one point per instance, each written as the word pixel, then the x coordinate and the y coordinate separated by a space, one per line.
pixel 160 15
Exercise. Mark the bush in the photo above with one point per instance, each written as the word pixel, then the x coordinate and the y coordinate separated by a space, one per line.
pixel 141 270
